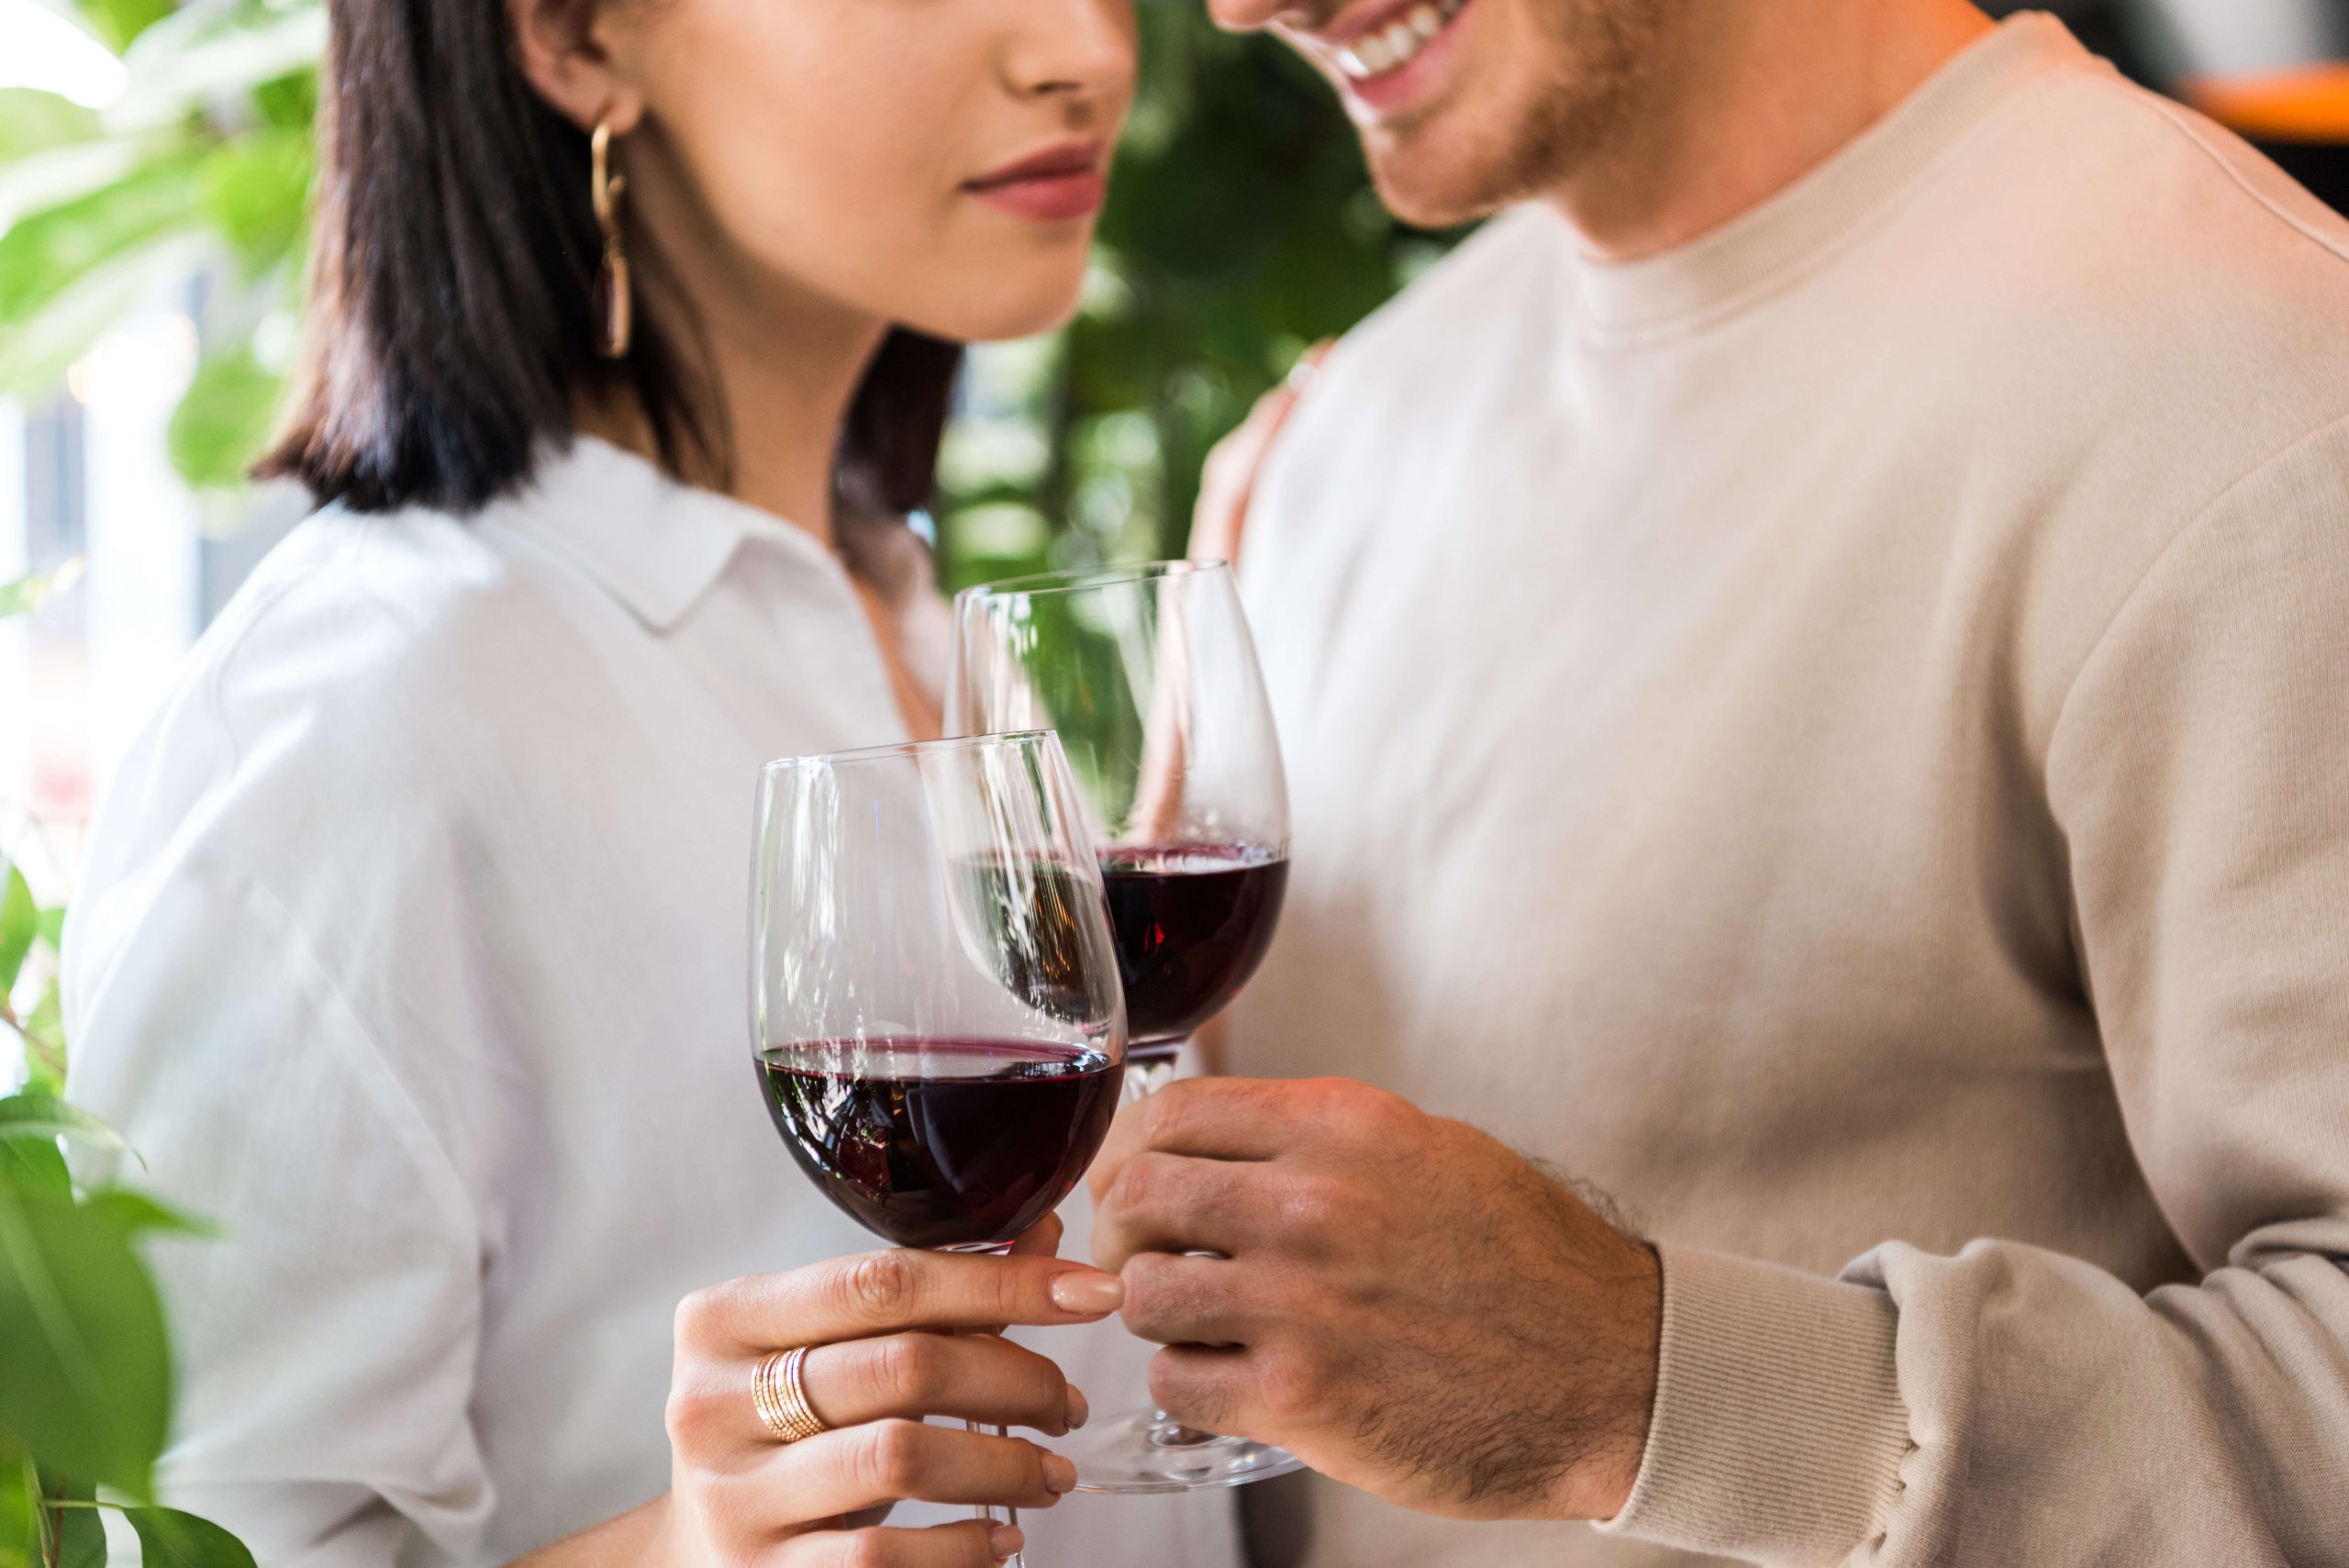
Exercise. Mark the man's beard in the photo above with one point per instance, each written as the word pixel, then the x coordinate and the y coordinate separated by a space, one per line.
pixel 1594 57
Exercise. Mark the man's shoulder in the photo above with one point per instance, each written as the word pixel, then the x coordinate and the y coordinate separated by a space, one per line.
pixel 2139 279
pixel 2188 224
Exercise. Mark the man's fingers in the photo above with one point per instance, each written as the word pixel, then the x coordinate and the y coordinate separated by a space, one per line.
pixel 1227 486
pixel 1125 1140
pixel 1206 1388
pixel 1193 1301
pixel 887 1462
pixel 1245 1118
pixel 972 1543
pixel 1165 1203
pixel 878 1292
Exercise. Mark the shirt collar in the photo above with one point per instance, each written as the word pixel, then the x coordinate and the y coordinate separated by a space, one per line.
pixel 655 544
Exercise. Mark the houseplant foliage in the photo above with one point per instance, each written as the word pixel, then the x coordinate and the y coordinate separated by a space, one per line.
pixel 85 1376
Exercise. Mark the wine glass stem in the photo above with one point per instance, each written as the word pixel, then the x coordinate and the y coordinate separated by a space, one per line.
pixel 1145 1075
pixel 988 1511
pixel 993 1514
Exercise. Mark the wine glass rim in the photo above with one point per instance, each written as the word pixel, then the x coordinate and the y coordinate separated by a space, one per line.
pixel 1000 739
pixel 1041 583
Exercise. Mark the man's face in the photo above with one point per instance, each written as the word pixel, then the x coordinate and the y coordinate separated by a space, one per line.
pixel 1466 106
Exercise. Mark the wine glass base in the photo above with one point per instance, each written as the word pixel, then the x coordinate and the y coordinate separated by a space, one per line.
pixel 1144 1452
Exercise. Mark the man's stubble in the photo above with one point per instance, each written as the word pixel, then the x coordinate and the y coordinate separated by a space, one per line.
pixel 1585 81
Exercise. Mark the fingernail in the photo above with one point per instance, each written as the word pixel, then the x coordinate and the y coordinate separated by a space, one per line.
pixel 1060 1475
pixel 1080 1411
pixel 1087 1291
pixel 1005 1539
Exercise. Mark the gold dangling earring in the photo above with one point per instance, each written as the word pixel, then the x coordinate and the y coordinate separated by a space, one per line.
pixel 610 300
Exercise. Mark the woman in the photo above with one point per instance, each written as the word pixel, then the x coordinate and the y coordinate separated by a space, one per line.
pixel 411 948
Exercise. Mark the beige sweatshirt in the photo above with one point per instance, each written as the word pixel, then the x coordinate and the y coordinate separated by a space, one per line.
pixel 1840 735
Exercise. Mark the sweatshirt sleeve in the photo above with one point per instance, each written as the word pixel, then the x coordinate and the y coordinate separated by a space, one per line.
pixel 2007 1404
pixel 325 1345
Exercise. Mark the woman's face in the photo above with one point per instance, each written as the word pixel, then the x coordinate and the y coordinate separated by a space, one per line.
pixel 932 163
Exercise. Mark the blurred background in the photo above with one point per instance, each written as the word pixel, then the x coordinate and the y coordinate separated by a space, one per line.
pixel 154 161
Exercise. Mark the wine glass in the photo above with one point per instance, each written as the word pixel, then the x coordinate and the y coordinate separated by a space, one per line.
pixel 937 1022
pixel 1148 675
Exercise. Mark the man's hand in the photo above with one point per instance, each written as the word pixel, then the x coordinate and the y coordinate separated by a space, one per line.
pixel 1228 484
pixel 1406 1305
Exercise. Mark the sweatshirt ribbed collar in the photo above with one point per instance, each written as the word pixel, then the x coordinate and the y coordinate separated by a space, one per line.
pixel 1797 228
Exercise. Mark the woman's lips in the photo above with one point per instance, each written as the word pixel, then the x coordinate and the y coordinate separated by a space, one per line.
pixel 1053 186
pixel 1048 198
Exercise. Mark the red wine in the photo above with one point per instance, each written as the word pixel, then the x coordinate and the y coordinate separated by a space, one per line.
pixel 941 1143
pixel 1191 922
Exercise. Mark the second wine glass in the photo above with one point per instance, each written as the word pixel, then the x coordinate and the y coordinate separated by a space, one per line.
pixel 1148 675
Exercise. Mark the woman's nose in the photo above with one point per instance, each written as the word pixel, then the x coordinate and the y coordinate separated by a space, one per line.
pixel 1074 45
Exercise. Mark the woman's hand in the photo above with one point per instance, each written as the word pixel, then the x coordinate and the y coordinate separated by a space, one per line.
pixel 885 1355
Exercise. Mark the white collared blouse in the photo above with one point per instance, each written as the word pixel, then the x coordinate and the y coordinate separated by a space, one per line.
pixel 412 951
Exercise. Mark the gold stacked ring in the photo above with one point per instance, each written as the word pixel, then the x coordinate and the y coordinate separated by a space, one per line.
pixel 782 1398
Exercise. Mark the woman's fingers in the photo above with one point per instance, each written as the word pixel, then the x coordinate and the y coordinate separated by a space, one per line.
pixel 885 1461
pixel 971 1545
pixel 880 1292
pixel 974 1377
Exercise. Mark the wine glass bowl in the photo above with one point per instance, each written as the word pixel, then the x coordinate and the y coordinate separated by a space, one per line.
pixel 938 1029
pixel 1148 675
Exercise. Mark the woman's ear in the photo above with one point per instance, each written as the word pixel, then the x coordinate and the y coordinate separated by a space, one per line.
pixel 565 52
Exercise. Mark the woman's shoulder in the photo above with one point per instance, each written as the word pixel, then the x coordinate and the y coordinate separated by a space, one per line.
pixel 369 599
pixel 339 696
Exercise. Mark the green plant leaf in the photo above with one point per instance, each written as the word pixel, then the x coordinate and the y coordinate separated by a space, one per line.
pixel 118 23
pixel 35 182
pixel 34 122
pixel 33 356
pixel 136 1213
pixel 256 191
pixel 44 1031
pixel 36 1167
pixel 224 421
pixel 42 255
pixel 201 55
pixel 45 1116
pixel 50 926
pixel 19 924
pixel 170 1539
pixel 27 594
pixel 19 1530
pixel 86 1372
pixel 290 100
pixel 82 1538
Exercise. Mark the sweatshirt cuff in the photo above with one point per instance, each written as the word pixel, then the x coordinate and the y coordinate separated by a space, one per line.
pixel 1778 1429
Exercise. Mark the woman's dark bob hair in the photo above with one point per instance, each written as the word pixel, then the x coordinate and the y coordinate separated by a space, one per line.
pixel 450 331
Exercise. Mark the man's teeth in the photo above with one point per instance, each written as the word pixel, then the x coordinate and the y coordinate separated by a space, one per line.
pixel 1399 42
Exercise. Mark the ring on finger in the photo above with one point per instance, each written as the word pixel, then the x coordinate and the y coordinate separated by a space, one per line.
pixel 780 1394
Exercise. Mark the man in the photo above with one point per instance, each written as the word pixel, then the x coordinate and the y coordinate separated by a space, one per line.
pixel 1813 657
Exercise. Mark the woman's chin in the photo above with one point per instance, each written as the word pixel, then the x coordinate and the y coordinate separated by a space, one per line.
pixel 1003 319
